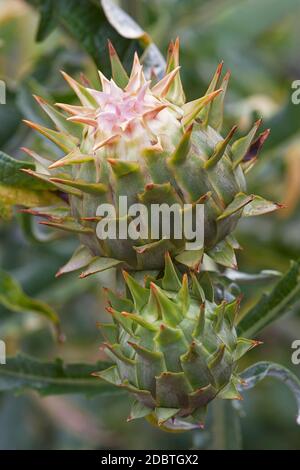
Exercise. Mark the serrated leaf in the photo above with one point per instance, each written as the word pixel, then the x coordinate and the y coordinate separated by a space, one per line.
pixel 283 298
pixel 22 373
pixel 261 370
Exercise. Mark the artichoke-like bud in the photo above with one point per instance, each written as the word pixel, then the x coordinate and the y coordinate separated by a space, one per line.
pixel 141 140
pixel 172 349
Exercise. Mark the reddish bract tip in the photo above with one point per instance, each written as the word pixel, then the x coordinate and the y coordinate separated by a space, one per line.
pixel 111 49
pixel 258 122
pixel 87 219
pixel 257 343
pixel 197 267
pixel 153 287
pixel 227 75
pixel 232 131
pixel 39 99
pixel 281 206
pixel 189 130
pixel 177 42
pixel 171 47
pixel 112 161
pixel 220 67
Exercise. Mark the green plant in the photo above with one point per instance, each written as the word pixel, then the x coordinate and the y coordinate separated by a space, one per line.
pixel 176 340
pixel 146 144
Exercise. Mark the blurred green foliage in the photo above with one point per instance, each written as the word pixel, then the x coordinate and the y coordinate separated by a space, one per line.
pixel 259 42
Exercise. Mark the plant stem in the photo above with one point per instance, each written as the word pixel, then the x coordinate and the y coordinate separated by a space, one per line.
pixel 226 432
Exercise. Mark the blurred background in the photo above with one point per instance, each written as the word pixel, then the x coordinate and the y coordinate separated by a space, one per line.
pixel 260 43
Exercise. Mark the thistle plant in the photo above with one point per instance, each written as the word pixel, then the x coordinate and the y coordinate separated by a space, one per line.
pixel 141 140
pixel 173 341
pixel 173 348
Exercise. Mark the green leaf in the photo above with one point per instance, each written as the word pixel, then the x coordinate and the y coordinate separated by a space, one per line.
pixel 152 59
pixel 99 265
pixel 224 254
pixel 11 174
pixel 284 298
pixel 238 203
pixel 86 21
pixel 22 373
pixel 259 206
pixel 11 196
pixel 261 370
pixel 250 19
pixel 247 278
pixel 47 20
pixel 18 188
pixel 92 23
pixel 13 298
pixel 121 21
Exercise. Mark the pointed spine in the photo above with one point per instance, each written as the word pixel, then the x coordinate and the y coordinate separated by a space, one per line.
pixel 119 74
pixel 220 149
pixel 181 152
pixel 168 310
pixel 193 108
pixel 241 146
pixel 139 294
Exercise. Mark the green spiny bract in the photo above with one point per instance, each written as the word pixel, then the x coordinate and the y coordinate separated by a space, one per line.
pixel 173 350
pixel 146 142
